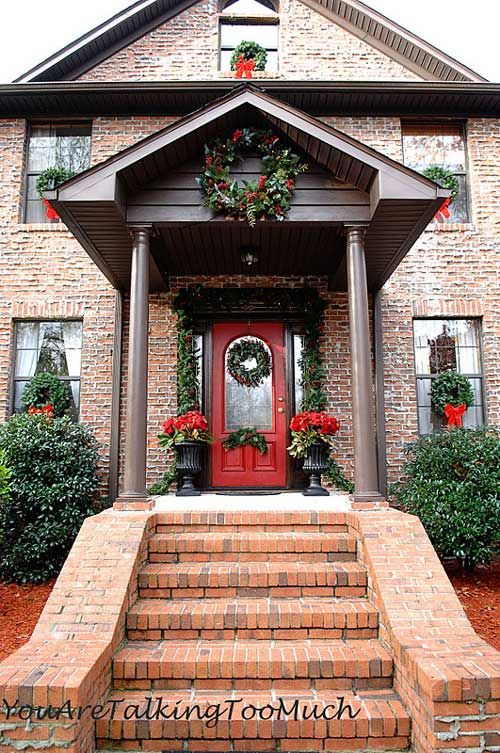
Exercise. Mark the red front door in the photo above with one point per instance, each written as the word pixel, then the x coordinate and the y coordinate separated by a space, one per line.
pixel 235 406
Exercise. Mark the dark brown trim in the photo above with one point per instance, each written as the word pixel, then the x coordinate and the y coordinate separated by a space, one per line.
pixel 114 442
pixel 89 99
pixel 380 392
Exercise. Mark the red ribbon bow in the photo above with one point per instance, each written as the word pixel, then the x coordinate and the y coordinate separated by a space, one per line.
pixel 50 212
pixel 454 414
pixel 443 213
pixel 244 67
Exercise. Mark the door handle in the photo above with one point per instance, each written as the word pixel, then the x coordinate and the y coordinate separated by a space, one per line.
pixel 281 410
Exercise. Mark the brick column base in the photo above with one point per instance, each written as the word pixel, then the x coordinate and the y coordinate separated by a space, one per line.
pixel 368 503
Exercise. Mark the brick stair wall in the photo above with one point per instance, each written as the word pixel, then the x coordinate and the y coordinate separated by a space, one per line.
pixel 445 678
pixel 267 613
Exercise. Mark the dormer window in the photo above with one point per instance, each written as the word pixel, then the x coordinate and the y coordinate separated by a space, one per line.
pixel 249 21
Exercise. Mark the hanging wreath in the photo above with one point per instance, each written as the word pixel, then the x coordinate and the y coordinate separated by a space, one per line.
pixel 247 350
pixel 450 388
pixel 46 389
pixel 246 436
pixel 249 51
pixel 47 181
pixel 448 180
pixel 269 196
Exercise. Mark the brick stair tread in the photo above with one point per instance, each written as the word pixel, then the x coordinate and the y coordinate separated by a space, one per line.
pixel 250 541
pixel 381 720
pixel 201 659
pixel 251 574
pixel 252 614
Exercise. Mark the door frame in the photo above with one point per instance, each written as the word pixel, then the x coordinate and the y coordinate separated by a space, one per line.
pixel 293 325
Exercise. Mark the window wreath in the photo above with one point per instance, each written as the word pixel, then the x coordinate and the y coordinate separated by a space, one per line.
pixel 451 392
pixel 448 180
pixel 246 350
pixel 46 389
pixel 269 196
pixel 249 51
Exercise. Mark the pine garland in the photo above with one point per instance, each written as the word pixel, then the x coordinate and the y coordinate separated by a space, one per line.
pixel 246 436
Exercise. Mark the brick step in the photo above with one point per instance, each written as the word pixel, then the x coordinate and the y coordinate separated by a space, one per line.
pixel 233 521
pixel 229 579
pixel 226 665
pixel 278 619
pixel 380 723
pixel 252 545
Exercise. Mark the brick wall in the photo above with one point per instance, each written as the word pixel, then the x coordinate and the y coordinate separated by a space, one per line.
pixel 310 47
pixel 44 273
pixel 452 271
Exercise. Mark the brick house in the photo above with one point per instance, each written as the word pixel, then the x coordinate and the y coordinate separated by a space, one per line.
pixel 368 105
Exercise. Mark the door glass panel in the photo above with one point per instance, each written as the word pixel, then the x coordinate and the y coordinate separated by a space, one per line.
pixel 248 406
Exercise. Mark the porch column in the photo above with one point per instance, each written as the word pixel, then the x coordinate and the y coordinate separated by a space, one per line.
pixel 365 451
pixel 134 495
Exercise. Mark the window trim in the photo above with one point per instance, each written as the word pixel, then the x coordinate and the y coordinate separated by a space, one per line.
pixel 481 375
pixel 238 19
pixel 461 124
pixel 13 355
pixel 37 122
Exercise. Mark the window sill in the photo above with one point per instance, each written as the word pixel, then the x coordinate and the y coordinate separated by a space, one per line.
pixel 269 75
pixel 451 227
pixel 48 227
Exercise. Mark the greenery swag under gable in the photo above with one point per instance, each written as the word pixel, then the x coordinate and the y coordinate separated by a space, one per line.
pixel 269 196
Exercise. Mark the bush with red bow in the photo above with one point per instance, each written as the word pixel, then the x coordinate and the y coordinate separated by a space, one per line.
pixel 309 427
pixel 190 427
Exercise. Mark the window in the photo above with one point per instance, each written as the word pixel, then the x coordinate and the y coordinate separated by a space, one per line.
pixel 442 145
pixel 50 346
pixel 51 144
pixel 442 344
pixel 250 21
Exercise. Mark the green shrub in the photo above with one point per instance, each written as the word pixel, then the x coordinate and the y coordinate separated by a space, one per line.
pixel 53 480
pixel 453 485
pixel 4 479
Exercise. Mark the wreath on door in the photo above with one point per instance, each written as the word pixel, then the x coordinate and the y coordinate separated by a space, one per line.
pixel 246 350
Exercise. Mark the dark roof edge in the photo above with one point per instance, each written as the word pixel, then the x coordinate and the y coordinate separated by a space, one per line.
pixel 90 99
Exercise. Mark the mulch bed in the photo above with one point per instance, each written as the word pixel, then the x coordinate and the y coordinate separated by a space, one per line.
pixel 479 592
pixel 20 608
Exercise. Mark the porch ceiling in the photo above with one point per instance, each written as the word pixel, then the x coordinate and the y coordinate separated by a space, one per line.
pixel 394 202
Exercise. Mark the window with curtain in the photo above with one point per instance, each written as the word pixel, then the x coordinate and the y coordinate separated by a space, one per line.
pixel 50 145
pixel 441 144
pixel 440 345
pixel 48 346
pixel 249 21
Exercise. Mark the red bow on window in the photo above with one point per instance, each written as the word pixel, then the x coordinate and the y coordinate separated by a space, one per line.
pixel 50 212
pixel 443 213
pixel 244 67
pixel 454 414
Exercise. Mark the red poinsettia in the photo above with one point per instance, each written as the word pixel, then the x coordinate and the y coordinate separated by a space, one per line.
pixel 309 427
pixel 191 426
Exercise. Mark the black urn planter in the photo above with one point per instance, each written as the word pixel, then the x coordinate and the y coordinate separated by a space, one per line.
pixel 188 466
pixel 316 463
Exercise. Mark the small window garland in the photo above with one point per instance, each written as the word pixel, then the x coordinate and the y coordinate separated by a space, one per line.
pixel 247 435
pixel 269 196
pixel 246 350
